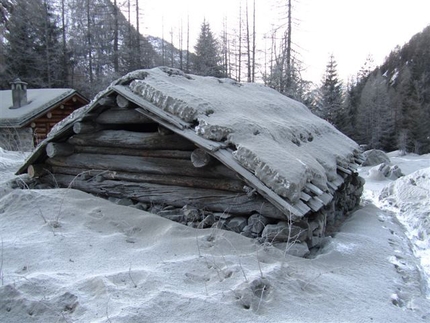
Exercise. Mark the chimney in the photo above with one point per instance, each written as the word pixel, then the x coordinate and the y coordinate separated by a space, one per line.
pixel 19 93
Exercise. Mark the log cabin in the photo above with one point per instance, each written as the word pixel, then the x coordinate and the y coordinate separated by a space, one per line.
pixel 207 152
pixel 28 115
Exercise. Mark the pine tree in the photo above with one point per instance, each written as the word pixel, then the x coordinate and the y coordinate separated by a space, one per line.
pixel 375 116
pixel 414 118
pixel 330 101
pixel 207 60
pixel 33 51
pixel 6 7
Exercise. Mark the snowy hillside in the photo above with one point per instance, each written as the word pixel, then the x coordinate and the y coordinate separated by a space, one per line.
pixel 67 256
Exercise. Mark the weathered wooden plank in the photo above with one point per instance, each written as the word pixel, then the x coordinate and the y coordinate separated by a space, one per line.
pixel 311 187
pixel 326 198
pixel 225 184
pixel 129 139
pixel 344 170
pixel 338 180
pixel 315 204
pixel 210 200
pixel 332 186
pixel 122 116
pixel 302 207
pixel 285 207
pixel 135 164
pixel 176 154
pixel 305 197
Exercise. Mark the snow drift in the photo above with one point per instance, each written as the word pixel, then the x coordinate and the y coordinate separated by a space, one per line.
pixel 67 256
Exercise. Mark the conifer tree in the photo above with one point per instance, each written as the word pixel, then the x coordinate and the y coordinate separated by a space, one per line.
pixel 414 118
pixel 207 59
pixel 375 117
pixel 33 50
pixel 330 101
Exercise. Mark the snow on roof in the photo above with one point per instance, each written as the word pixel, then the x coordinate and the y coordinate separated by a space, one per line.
pixel 39 100
pixel 276 138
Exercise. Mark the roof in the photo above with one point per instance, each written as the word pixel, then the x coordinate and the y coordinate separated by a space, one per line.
pixel 275 144
pixel 40 101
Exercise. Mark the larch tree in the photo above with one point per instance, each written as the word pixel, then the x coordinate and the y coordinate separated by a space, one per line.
pixel 284 74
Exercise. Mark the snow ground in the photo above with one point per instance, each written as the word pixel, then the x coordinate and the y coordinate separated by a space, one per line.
pixel 66 256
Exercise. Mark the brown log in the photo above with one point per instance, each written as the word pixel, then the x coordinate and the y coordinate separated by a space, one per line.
pixel 224 184
pixel 175 154
pixel 147 165
pixel 86 127
pixel 129 139
pixel 122 102
pixel 163 131
pixel 38 170
pixel 59 149
pixel 122 116
pixel 107 101
pixel 210 200
pixel 200 158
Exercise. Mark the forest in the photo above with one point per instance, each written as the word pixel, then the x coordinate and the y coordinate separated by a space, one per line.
pixel 85 45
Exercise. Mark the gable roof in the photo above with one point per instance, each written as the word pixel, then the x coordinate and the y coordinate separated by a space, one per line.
pixel 275 144
pixel 40 101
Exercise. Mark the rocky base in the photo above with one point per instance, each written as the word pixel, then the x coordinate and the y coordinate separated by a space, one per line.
pixel 305 234
pixel 295 237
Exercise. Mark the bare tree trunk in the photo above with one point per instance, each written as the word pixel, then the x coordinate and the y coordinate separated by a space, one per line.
pixel 248 45
pixel 90 54
pixel 115 41
pixel 138 34
pixel 253 45
pixel 288 58
pixel 181 37
pixel 240 42
pixel 63 27
pixel 47 41
pixel 225 49
pixel 188 44
pixel 172 57
pixel 163 46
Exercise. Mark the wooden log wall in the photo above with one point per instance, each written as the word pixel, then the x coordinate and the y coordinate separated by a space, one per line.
pixel 44 123
pixel 148 165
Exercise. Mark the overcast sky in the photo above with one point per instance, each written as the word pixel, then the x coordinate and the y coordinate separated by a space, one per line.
pixel 350 29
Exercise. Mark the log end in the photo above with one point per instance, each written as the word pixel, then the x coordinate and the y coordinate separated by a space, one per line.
pixel 200 158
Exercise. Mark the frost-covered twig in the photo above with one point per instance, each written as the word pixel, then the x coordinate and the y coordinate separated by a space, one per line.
pixel 240 262
pixel 1 263
pixel 131 277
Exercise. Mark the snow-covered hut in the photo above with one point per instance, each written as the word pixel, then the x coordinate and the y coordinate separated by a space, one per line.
pixel 28 115
pixel 207 152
